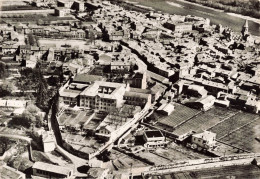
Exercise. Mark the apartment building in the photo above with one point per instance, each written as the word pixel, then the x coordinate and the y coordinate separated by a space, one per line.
pixel 103 96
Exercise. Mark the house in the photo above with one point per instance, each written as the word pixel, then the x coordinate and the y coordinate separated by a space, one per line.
pixel 120 65
pixel 86 79
pixel 7 172
pixel 9 49
pixel 79 5
pixel 166 109
pixel 12 104
pixel 252 105
pixel 139 80
pixel 179 27
pixel 137 98
pixel 65 3
pixel 169 95
pixel 24 49
pixel 47 170
pixel 154 139
pixel 69 96
pixel 48 140
pixel 196 91
pixel 204 140
pixel 222 103
pixel 155 93
pixel 204 103
pixel 31 61
pixel 116 35
pixel 61 12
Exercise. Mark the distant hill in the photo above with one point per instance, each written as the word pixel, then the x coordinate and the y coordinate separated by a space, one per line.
pixel 244 7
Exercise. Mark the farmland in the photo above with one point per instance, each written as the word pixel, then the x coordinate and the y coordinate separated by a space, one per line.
pixel 234 127
pixel 232 123
pixel 204 120
pixel 245 137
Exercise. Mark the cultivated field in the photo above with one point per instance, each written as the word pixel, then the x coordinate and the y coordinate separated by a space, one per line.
pixel 204 120
pixel 232 123
pixel 241 171
pixel 245 137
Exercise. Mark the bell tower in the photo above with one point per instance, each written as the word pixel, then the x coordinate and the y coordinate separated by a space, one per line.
pixel 245 29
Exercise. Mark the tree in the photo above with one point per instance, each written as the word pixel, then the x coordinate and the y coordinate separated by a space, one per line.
pixel 33 109
pixel 3 70
pixel 92 36
pixel 4 142
pixel 54 81
pixel 6 89
pixel 23 120
pixel 33 112
pixel 42 92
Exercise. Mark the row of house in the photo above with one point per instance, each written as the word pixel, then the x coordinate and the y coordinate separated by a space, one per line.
pixel 51 31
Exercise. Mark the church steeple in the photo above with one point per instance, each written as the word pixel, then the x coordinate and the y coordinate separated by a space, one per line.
pixel 245 29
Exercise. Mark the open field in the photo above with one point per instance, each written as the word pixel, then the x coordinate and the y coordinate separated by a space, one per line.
pixel 81 143
pixel 81 118
pixel 122 161
pixel 156 159
pixel 245 137
pixel 232 123
pixel 94 122
pixel 204 120
pixel 59 42
pixel 178 152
